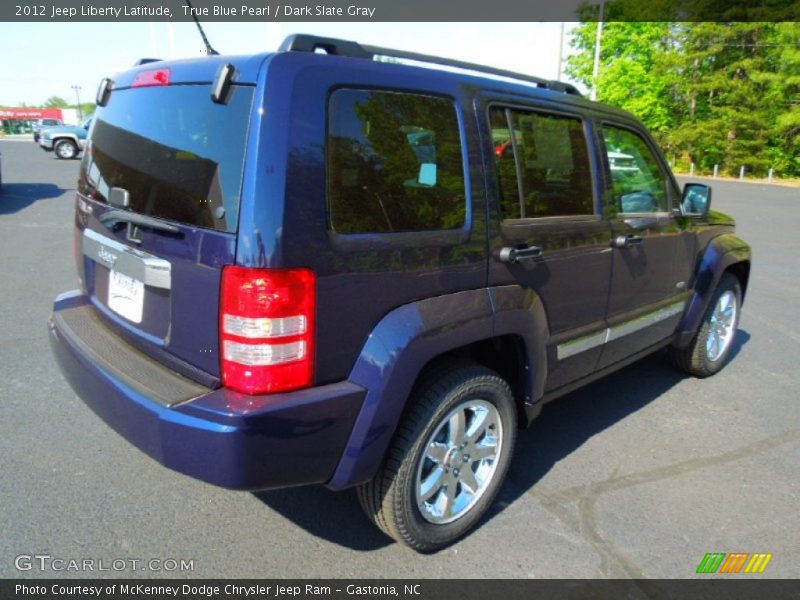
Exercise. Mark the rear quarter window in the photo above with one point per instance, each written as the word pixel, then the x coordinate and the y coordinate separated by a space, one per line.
pixel 394 163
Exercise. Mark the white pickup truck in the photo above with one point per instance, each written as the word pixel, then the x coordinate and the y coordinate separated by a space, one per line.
pixel 67 140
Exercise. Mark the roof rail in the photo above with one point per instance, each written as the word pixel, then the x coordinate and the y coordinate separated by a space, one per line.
pixel 302 42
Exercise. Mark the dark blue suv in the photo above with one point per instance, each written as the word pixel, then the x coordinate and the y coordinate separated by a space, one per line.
pixel 315 267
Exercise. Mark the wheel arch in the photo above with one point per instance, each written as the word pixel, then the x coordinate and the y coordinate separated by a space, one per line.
pixel 504 354
pixel 726 253
pixel 415 338
pixel 741 270
pixel 65 136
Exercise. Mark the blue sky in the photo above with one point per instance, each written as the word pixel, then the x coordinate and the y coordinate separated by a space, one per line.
pixel 42 60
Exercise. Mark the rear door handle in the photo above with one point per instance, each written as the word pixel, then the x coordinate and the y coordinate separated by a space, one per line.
pixel 626 241
pixel 515 255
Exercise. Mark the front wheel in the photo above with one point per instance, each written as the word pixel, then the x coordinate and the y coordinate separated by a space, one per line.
pixel 711 346
pixel 447 460
pixel 66 149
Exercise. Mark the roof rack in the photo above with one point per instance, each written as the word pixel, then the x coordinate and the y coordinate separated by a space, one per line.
pixel 302 42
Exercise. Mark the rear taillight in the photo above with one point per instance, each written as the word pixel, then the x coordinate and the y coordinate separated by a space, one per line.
pixel 267 329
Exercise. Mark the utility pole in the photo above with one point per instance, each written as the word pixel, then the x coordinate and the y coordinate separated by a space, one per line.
pixel 596 70
pixel 560 51
pixel 77 89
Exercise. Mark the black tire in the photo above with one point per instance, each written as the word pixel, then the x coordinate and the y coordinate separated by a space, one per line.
pixel 65 149
pixel 390 498
pixel 697 359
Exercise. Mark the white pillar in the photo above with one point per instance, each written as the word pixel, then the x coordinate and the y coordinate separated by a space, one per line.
pixel 596 69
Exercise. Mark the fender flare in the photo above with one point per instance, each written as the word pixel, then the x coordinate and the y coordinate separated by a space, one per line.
pixel 67 136
pixel 720 254
pixel 397 350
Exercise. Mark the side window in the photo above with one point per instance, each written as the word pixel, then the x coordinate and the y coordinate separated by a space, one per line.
pixel 638 183
pixel 542 164
pixel 394 163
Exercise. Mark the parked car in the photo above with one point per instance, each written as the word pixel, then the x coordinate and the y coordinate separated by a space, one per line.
pixel 67 140
pixel 40 124
pixel 307 268
pixel 619 161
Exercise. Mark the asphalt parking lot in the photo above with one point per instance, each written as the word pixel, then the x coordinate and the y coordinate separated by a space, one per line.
pixel 637 475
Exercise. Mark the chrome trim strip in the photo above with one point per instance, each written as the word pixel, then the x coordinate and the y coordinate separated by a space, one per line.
pixel 581 344
pixel 609 334
pixel 153 271
pixel 639 323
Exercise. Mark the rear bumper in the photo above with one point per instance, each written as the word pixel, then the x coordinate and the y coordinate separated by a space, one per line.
pixel 218 436
pixel 46 144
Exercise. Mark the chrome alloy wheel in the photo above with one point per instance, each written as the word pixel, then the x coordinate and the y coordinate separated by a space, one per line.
pixel 459 462
pixel 722 324
pixel 66 150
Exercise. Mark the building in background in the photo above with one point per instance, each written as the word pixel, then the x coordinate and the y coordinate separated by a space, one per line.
pixel 20 120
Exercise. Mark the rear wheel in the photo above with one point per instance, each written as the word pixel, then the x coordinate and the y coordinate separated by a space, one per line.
pixel 66 149
pixel 711 346
pixel 447 460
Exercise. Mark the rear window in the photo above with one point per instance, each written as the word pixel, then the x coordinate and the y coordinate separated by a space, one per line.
pixel 178 154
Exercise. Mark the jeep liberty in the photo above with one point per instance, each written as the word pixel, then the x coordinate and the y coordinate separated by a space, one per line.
pixel 313 267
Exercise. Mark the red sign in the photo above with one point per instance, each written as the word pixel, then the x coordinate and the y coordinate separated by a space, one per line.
pixel 12 114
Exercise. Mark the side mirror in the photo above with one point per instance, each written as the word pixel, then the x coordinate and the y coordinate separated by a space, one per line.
pixel 696 199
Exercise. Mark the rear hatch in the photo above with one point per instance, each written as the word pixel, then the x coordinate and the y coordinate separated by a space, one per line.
pixel 158 202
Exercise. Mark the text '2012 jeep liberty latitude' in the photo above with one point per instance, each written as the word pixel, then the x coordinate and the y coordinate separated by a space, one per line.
pixel 306 267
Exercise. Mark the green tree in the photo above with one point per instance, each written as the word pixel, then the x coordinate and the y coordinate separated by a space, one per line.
pixel 785 143
pixel 633 73
pixel 730 94
pixel 55 102
pixel 87 108
pixel 713 93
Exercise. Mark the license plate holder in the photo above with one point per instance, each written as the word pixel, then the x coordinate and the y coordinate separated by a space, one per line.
pixel 126 296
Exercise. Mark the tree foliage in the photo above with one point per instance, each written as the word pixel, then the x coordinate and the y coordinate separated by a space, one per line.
pixel 86 108
pixel 56 102
pixel 712 93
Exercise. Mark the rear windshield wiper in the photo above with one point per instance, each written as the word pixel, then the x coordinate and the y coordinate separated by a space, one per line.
pixel 123 216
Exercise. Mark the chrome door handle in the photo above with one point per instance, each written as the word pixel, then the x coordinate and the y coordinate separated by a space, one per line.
pixel 515 255
pixel 626 241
